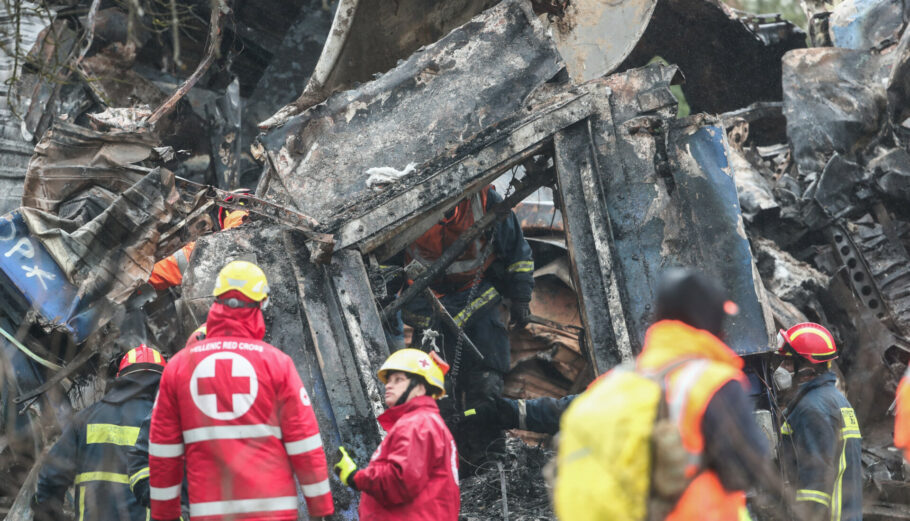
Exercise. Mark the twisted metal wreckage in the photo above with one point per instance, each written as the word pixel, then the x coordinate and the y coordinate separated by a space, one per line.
pixel 798 202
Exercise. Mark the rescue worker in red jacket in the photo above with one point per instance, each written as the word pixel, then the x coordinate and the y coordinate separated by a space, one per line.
pixel 499 264
pixel 413 475
pixel 234 410
pixel 168 272
pixel 902 416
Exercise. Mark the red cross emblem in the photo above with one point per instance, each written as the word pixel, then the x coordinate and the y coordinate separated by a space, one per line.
pixel 423 363
pixel 224 385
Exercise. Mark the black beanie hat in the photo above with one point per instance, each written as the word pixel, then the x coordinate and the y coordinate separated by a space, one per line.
pixel 688 296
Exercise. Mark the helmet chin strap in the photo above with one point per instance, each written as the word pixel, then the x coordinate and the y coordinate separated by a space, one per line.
pixel 407 392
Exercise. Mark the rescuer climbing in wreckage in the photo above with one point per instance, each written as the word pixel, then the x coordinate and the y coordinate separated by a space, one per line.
pixel 91 453
pixel 685 391
pixel 821 441
pixel 168 272
pixel 231 400
pixel 498 264
pixel 413 474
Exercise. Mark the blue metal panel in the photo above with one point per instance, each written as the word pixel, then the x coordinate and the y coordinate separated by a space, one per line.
pixel 38 278
pixel 679 211
pixel 710 206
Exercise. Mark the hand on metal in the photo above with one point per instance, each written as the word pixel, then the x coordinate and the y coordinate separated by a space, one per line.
pixel 345 468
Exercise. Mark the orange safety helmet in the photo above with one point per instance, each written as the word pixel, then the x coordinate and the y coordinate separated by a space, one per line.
pixel 808 340
pixel 142 358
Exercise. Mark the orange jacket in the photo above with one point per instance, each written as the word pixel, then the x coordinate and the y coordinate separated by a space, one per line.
pixel 902 419
pixel 690 388
pixel 431 245
pixel 169 272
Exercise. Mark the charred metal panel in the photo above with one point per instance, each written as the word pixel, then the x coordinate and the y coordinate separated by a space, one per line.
pixel 632 156
pixel 424 108
pixel 405 210
pixel 589 240
pixel 834 101
pixel 864 24
pixel 672 201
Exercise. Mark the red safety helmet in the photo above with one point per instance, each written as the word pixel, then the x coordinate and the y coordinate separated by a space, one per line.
pixel 142 358
pixel 224 213
pixel 808 340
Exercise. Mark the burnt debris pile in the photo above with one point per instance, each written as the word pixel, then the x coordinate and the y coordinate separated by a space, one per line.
pixel 627 137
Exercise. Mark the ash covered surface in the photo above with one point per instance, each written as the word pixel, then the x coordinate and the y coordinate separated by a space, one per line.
pixel 526 489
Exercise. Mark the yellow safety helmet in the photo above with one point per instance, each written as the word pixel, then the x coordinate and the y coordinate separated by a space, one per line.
pixel 245 277
pixel 414 361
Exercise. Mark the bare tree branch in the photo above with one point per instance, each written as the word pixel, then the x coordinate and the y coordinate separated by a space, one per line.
pixel 220 11
pixel 89 32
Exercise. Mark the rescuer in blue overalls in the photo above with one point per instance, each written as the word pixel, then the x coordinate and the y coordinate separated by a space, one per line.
pixel 498 264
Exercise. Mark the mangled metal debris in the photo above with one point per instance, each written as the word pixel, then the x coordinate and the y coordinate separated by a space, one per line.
pixel 797 202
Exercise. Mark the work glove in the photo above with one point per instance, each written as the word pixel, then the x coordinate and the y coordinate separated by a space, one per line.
pixel 345 468
pixel 501 412
pixel 520 313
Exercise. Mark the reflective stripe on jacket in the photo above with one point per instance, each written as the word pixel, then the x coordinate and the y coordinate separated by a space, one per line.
pixel 511 274
pixel 477 257
pixel 821 449
pixel 902 416
pixel 168 272
pixel 413 475
pixel 689 389
pixel 92 453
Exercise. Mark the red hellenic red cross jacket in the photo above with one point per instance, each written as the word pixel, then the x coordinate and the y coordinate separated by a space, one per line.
pixel 234 409
pixel 413 475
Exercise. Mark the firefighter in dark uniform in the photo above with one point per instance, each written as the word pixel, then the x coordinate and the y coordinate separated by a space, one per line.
pixel 92 451
pixel 821 442
pixel 498 264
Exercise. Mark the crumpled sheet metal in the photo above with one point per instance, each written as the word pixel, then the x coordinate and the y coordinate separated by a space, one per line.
pixel 31 271
pixel 15 148
pixel 834 101
pixel 475 77
pixel 864 24
pixel 367 37
pixel 595 36
pixel 898 91
pixel 712 234
pixel 107 249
